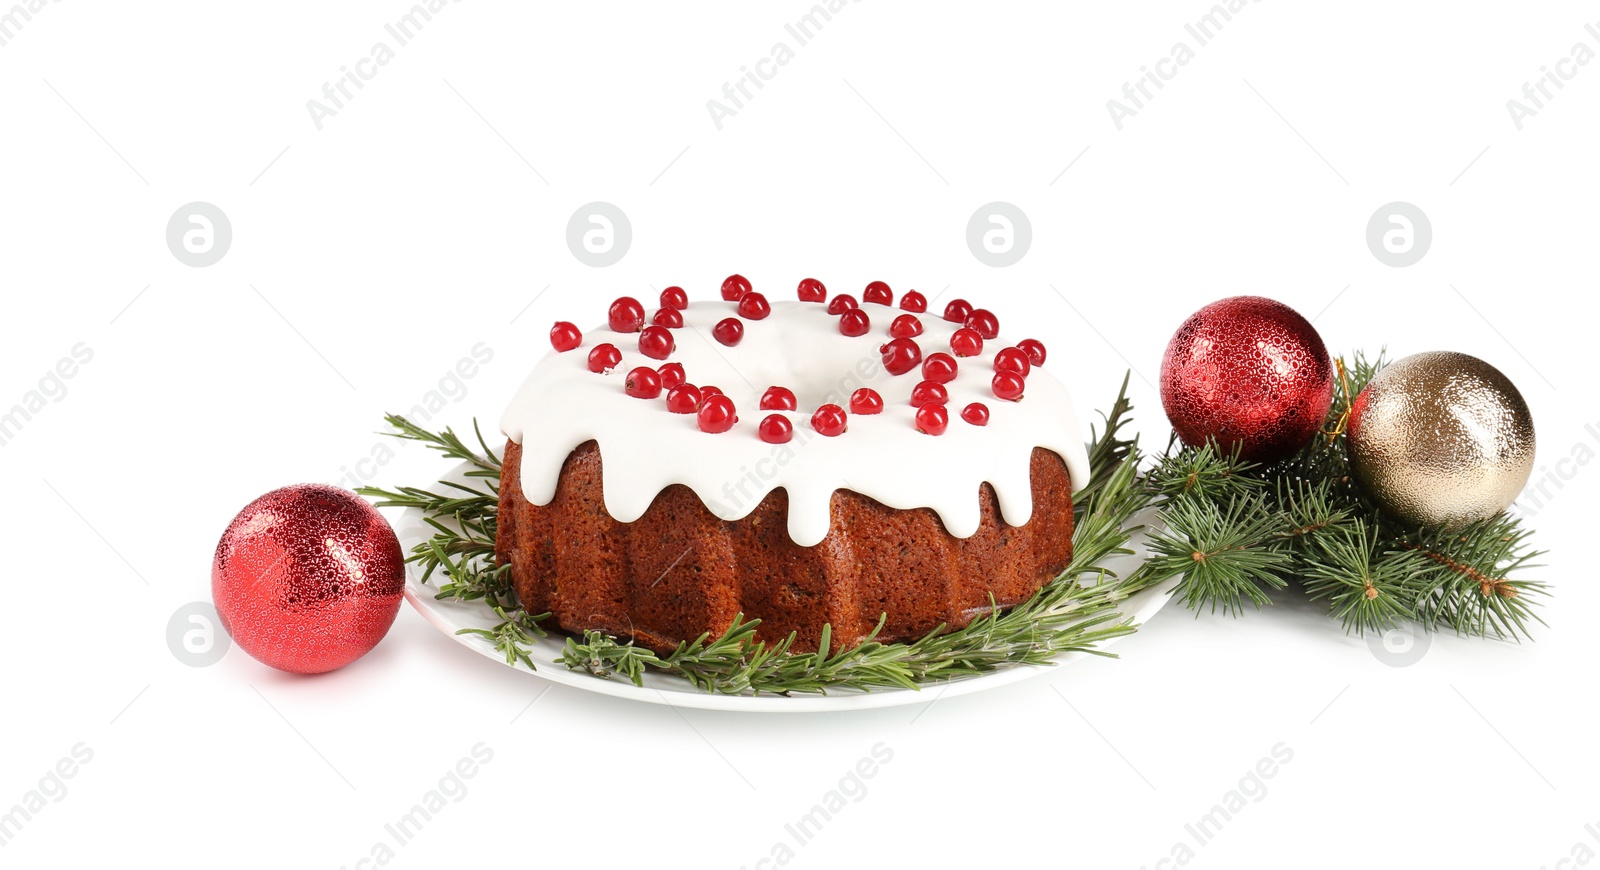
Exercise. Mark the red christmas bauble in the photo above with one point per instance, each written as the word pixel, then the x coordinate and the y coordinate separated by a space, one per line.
pixel 1247 371
pixel 308 578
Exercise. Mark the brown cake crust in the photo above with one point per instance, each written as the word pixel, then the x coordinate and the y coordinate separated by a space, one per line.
pixel 679 571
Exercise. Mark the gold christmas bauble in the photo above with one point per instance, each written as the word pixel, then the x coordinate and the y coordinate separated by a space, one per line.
pixel 1441 438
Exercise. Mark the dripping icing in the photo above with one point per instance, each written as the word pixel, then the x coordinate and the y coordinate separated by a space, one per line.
pixel 644 448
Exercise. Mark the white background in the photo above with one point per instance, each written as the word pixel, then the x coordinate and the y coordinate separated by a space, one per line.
pixel 373 254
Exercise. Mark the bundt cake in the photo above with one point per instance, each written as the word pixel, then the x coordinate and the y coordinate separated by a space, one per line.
pixel 795 461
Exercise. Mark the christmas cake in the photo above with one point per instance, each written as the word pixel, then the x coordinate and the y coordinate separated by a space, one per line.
pixel 820 461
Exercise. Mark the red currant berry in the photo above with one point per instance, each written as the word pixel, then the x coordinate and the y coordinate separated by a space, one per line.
pixel 1034 348
pixel 976 413
pixel 900 355
pixel 656 342
pixel 1012 359
pixel 778 399
pixel 734 287
pixel 983 321
pixel 671 318
pixel 812 290
pixel 707 392
pixel 754 306
pixel 914 302
pixel 728 330
pixel 830 420
pixel 643 383
pixel 1008 385
pixel 854 322
pixel 928 393
pixel 674 298
pixel 905 326
pixel 671 375
pixel 841 303
pixel 866 401
pixel 716 414
pixel 940 368
pixel 932 419
pixel 878 292
pixel 966 342
pixel 565 336
pixel 775 429
pixel 683 399
pixel 603 358
pixel 957 310
pixel 626 315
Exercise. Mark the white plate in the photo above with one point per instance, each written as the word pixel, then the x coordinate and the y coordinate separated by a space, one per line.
pixel 452 616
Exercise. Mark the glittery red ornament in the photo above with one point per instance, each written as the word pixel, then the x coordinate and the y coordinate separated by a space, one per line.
pixel 1250 371
pixel 308 578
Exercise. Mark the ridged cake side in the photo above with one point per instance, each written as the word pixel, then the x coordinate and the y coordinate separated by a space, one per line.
pixel 679 571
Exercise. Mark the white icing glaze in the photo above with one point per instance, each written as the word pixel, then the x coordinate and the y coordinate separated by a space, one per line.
pixel 645 447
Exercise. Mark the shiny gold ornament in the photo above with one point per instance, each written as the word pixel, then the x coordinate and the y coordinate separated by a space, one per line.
pixel 1441 438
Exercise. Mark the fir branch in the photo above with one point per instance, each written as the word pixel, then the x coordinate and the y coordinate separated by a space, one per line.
pixel 1310 509
pixel 1204 472
pixel 1474 578
pixel 1227 551
pixel 1370 586
pixel 1372 571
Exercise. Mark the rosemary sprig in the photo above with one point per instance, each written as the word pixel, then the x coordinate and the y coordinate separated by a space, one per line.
pixel 1074 612
pixel 1107 450
pixel 515 634
pixel 448 443
pixel 1067 614
pixel 464 520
